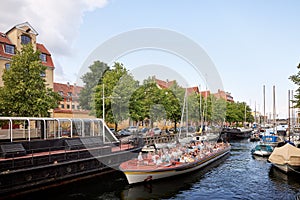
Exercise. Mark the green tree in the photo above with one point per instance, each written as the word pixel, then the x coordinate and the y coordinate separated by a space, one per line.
pixel 235 112
pixel 218 110
pixel 91 79
pixel 117 84
pixel 151 102
pixel 24 92
pixel 296 80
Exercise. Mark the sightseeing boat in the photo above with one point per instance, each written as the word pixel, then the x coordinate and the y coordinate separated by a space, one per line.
pixel 46 152
pixel 145 169
pixel 286 158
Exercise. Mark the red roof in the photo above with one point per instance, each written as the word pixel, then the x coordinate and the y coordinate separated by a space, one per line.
pixel 192 89
pixel 4 40
pixel 65 88
pixel 42 49
pixel 164 84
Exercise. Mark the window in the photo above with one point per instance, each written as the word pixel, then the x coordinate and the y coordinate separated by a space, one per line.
pixel 43 74
pixel 78 107
pixel 7 66
pixel 73 107
pixel 69 94
pixel 68 106
pixel 9 49
pixel 25 39
pixel 61 93
pixel 62 105
pixel 43 57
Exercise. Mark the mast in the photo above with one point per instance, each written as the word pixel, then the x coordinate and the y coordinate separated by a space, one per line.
pixel 289 116
pixel 293 111
pixel 255 112
pixel 200 107
pixel 264 96
pixel 274 109
pixel 245 116
pixel 182 113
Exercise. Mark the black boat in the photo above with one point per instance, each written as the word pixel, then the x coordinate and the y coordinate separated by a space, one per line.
pixel 45 152
pixel 237 133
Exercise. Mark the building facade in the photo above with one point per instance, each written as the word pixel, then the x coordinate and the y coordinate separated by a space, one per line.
pixel 69 106
pixel 13 40
pixel 205 94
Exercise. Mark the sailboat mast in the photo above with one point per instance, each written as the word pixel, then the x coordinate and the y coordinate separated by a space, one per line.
pixel 289 115
pixel 182 113
pixel 255 112
pixel 274 108
pixel 264 96
pixel 200 107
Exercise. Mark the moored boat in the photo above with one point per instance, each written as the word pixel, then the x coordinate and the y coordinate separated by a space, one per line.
pixel 137 170
pixel 237 133
pixel 44 154
pixel 262 150
pixel 286 158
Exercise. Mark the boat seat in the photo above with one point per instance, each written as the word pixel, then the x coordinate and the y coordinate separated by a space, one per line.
pixel 90 142
pixel 12 150
pixel 74 144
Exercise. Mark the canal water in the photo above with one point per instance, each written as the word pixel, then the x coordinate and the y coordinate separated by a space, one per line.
pixel 236 176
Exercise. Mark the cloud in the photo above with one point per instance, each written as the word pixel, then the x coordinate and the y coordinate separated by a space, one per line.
pixel 56 21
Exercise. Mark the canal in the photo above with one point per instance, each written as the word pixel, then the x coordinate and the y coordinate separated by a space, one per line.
pixel 237 176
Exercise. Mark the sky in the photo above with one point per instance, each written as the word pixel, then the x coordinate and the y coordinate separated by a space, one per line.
pixel 251 42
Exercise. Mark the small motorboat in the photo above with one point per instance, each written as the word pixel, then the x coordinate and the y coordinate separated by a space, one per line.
pixel 262 150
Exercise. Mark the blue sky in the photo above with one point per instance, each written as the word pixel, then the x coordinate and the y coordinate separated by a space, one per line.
pixel 252 43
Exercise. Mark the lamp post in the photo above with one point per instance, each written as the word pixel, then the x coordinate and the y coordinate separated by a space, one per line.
pixel 103 109
pixel 103 114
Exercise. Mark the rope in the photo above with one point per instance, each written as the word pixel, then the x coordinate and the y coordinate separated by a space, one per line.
pixel 293 169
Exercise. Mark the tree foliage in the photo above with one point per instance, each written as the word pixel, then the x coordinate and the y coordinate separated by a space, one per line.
pixel 153 103
pixel 24 92
pixel 296 80
pixel 235 112
pixel 117 85
pixel 91 79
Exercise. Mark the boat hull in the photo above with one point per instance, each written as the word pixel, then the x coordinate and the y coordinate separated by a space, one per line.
pixel 262 153
pixel 138 176
pixel 287 168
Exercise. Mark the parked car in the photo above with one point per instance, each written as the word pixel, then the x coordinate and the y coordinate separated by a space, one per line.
pixel 144 130
pixel 157 131
pixel 124 132
pixel 132 129
pixel 112 130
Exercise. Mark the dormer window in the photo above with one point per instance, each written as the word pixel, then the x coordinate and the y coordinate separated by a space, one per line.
pixel 43 57
pixel 9 49
pixel 25 39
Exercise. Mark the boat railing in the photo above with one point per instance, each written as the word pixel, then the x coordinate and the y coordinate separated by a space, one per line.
pixel 28 128
pixel 50 155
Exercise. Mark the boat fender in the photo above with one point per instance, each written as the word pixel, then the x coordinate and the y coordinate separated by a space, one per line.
pixel 149 178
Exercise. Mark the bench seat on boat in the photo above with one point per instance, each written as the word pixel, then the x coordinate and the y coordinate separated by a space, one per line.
pixel 12 150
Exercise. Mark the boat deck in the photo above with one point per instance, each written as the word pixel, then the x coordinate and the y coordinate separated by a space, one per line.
pixel 122 147
pixel 149 165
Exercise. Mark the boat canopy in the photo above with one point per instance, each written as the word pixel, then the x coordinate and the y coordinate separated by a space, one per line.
pixel 287 154
pixel 27 128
